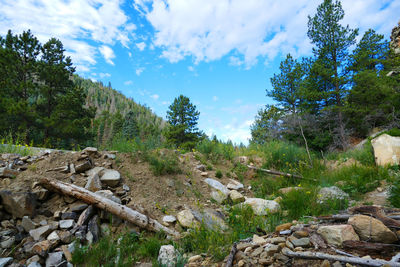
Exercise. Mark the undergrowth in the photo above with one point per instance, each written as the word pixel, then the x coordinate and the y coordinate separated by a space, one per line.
pixel 163 163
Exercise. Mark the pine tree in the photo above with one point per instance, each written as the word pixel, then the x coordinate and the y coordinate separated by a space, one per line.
pixel 182 117
pixel 130 127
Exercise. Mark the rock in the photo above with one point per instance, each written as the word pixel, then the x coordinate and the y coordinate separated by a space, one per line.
pixel 28 224
pixel 217 186
pixel 167 256
pixel 195 258
pixel 108 194
pixel 386 150
pixel 211 219
pixel 186 219
pixel 7 243
pixel 94 228
pixel 54 259
pixel 300 234
pixel 126 188
pixel 218 196
pixel 109 156
pixel 332 192
pixel 18 204
pixel 286 190
pixel 85 216
pixel 242 160
pixel 201 168
pixel 258 240
pixel 236 197
pixel 8 173
pixel 336 234
pixel 257 252
pixel 34 264
pixel 234 185
pixel 204 174
pixel 271 249
pixel 111 177
pixel 41 194
pixel 5 261
pixel 78 207
pixel 41 232
pixel 90 150
pixel 42 248
pixel 299 242
pixel 69 215
pixel 169 219
pixel 66 224
pixel 371 229
pixel 282 227
pixel 262 206
pixel 53 236
pixel 82 167
pixel 95 170
pixel 65 236
pixel 93 183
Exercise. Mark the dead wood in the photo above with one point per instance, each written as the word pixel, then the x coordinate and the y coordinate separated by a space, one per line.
pixel 290 175
pixel 351 260
pixel 231 256
pixel 378 213
pixel 106 204
pixel 368 247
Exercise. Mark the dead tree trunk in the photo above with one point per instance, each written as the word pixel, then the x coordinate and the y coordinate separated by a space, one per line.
pixel 106 204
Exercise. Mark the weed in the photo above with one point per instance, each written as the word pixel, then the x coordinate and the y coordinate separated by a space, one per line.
pixel 218 174
pixel 166 164
pixel 394 193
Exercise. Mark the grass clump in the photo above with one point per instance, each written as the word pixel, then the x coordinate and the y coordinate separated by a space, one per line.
pixel 218 174
pixel 163 163
pixel 123 250
pixel 216 150
pixel 15 145
pixel 364 155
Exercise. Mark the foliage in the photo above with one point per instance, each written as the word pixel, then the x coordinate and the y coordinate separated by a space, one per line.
pixel 122 250
pixel 218 174
pixel 394 192
pixel 182 118
pixel 266 125
pixel 163 162
pixel 216 150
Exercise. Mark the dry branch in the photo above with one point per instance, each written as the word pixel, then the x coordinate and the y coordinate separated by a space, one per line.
pixel 275 172
pixel 103 203
pixel 368 247
pixel 351 260
pixel 231 256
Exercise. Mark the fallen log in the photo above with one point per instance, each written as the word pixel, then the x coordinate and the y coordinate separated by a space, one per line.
pixel 351 260
pixel 231 257
pixel 106 204
pixel 368 247
pixel 290 175
pixel 378 213
pixel 345 217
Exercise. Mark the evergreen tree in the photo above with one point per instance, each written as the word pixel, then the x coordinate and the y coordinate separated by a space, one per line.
pixel 182 117
pixel 266 125
pixel 130 127
pixel 331 48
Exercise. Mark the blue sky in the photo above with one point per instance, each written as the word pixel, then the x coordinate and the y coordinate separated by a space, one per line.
pixel 219 53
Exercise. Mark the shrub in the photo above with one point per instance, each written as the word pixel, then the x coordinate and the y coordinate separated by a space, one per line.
pixel 218 174
pixel 163 164
pixel 364 155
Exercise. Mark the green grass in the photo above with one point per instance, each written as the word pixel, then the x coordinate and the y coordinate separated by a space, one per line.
pixel 218 174
pixel 216 150
pixel 163 164
pixel 15 145
pixel 363 155
pixel 130 247
pixel 242 224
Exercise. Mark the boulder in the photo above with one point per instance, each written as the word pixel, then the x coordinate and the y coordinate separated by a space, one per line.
pixel 18 204
pixel 211 219
pixel 93 183
pixel 167 256
pixel 236 197
pixel 82 167
pixel 234 185
pixel 41 232
pixel 108 194
pixel 336 234
pixel 218 196
pixel 28 224
pixel 169 219
pixel 186 219
pixel 8 173
pixel 369 228
pixel 94 229
pixel 217 186
pixel 386 150
pixel 332 192
pixel 5 261
pixel 90 150
pixel 54 259
pixel 110 177
pixel 95 170
pixel 262 206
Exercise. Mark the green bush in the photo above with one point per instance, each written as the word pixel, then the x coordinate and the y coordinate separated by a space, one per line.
pixel 218 174
pixel 215 150
pixel 393 132
pixel 364 155
pixel 163 164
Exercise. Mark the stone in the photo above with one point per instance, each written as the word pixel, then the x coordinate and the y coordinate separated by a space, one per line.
pixel 326 263
pixel 276 240
pixel 337 264
pixel 289 244
pixel 216 185
pixel 86 215
pixel 234 185
pixel 258 240
pixel 109 156
pixel 167 256
pixel 282 227
pixel 300 234
pixel 262 206
pixel 236 197
pixel 286 190
pixel 78 207
pixel 110 177
pixel 66 224
pixel 7 243
pixel 371 229
pixel 54 259
pixel 108 194
pixel 42 248
pixel 5 261
pixel 84 166
pixel 94 228
pixel 211 219
pixel 218 196
pixel 204 174
pixel 93 183
pixel 195 258
pixel 169 219
pixel 28 224
pixel 336 234
pixel 257 251
pixel 201 168
pixel 19 204
pixel 332 192
pixel 126 188
pixel 299 242
pixel 34 264
pixel 41 194
pixel 241 263
pixel 53 236
pixel 386 150
pixel 271 249
pixel 90 150
pixel 41 232
pixel 32 259
pixel 186 219
pixel 65 236
pixel 95 170
pixel 242 160
pixel 8 173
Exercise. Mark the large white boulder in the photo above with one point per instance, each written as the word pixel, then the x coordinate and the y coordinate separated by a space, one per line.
pixel 336 234
pixel 386 150
pixel 262 206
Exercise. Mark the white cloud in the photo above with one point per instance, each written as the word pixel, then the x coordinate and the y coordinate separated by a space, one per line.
pixel 191 68
pixel 215 98
pixel 80 24
pixel 141 46
pixel 129 54
pixel 208 30
pixel 139 71
pixel 104 75
pixel 155 97
pixel 128 82
pixel 107 53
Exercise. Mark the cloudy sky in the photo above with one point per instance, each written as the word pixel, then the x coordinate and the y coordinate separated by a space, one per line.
pixel 219 53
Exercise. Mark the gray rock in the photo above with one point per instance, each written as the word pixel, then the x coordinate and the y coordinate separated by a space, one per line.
pixel 234 185
pixel 69 215
pixel 8 242
pixel 19 204
pixel 126 188
pixel 90 150
pixel 167 256
pixel 78 207
pixel 93 183
pixel 28 224
pixel 218 196
pixel 94 229
pixel 66 224
pixel 8 173
pixel 53 236
pixel 54 259
pixel 201 168
pixel 41 232
pixel 5 261
pixel 85 216
pixel 212 219
pixel 332 192
pixel 109 156
pixel 34 264
pixel 33 259
pixel 217 186
pixel 95 170
pixel 111 177
pixel 108 194
pixel 262 206
pixel 82 167
pixel 169 219
pixel 299 242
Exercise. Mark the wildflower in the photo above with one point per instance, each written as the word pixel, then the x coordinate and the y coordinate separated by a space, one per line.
pixel 308 192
